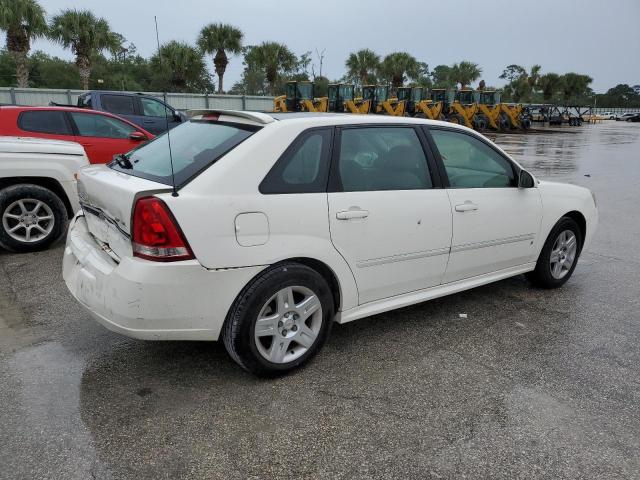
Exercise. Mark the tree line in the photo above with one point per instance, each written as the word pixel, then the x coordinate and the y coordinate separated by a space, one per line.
pixel 104 59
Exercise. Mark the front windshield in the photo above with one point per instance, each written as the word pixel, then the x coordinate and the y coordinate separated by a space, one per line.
pixel 194 146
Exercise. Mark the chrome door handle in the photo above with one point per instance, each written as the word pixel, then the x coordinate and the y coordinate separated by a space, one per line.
pixel 352 213
pixel 466 207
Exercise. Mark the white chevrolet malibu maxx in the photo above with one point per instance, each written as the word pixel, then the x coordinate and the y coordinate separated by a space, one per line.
pixel 280 224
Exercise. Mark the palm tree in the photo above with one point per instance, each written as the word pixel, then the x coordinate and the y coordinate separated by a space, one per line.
pixel 85 35
pixel 465 72
pixel 398 67
pixel 274 58
pixel 220 38
pixel 23 20
pixel 361 66
pixel 180 65
pixel 550 84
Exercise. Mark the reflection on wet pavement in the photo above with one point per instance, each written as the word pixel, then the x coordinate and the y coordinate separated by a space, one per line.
pixel 531 384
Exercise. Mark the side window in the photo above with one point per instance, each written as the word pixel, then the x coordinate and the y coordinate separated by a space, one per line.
pixel 471 163
pixel 44 121
pixel 382 158
pixel 118 104
pixel 95 125
pixel 153 108
pixel 304 166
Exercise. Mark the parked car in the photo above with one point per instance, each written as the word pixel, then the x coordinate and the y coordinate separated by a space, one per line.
pixel 282 223
pixel 624 116
pixel 102 135
pixel 633 118
pixel 38 192
pixel 150 113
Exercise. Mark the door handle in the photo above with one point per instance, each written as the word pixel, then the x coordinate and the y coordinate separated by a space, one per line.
pixel 352 213
pixel 467 206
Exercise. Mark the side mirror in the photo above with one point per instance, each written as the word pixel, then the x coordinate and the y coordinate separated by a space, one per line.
pixel 139 136
pixel 177 116
pixel 525 180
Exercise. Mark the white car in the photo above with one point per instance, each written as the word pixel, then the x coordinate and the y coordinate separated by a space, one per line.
pixel 281 224
pixel 38 193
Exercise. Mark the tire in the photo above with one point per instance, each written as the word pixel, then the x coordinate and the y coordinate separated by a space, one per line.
pixel 545 275
pixel 264 297
pixel 27 207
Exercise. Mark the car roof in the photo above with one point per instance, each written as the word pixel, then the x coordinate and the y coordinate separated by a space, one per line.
pixel 311 119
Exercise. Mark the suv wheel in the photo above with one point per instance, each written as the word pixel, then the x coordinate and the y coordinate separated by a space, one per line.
pixel 559 255
pixel 32 218
pixel 280 320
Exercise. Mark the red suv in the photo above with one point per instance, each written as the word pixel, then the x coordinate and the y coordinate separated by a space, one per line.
pixel 101 134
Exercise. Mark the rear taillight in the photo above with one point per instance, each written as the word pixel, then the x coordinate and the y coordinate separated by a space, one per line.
pixel 156 234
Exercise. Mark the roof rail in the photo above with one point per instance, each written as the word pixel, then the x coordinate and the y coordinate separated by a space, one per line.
pixel 258 117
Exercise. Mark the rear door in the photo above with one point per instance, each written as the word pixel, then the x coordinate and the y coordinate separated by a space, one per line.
pixel 387 216
pixel 123 105
pixel 102 136
pixel 495 223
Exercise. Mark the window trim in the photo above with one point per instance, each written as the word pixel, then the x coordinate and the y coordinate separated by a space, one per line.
pixel 292 149
pixel 335 183
pixel 441 167
pixel 64 115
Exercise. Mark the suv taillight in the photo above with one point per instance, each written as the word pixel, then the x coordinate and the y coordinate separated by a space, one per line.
pixel 156 234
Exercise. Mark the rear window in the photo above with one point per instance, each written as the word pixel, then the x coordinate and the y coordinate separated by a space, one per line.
pixel 195 145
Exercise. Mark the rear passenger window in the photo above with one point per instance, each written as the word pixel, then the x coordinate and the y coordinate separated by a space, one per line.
pixel 303 168
pixel 382 158
pixel 118 104
pixel 44 121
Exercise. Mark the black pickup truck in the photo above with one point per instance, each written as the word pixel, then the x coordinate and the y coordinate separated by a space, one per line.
pixel 149 112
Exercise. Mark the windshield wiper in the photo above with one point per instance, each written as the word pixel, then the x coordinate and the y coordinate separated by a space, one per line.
pixel 123 161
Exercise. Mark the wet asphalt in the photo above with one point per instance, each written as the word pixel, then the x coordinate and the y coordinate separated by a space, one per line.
pixel 530 384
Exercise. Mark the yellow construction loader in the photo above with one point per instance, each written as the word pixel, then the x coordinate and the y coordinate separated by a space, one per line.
pixel 299 98
pixel 489 111
pixel 342 99
pixel 378 95
pixel 463 108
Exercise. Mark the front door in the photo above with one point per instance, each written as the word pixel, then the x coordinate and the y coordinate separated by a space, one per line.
pixel 387 220
pixel 495 223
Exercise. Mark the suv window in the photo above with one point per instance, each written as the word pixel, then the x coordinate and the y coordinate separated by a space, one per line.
pixel 471 163
pixel 153 108
pixel 44 121
pixel 304 166
pixel 118 104
pixel 382 158
pixel 95 125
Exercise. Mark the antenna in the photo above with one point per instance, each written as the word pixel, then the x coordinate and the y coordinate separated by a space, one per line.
pixel 174 193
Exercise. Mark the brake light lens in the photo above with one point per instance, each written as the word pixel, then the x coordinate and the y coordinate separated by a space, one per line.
pixel 156 234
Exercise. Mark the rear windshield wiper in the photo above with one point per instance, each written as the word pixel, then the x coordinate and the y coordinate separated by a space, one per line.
pixel 123 161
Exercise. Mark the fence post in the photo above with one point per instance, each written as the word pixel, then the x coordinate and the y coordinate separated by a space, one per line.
pixel 12 92
pixel 68 97
pixel 244 102
pixel 206 101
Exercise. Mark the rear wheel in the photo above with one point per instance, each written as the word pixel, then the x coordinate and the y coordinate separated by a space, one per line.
pixel 32 218
pixel 280 320
pixel 559 255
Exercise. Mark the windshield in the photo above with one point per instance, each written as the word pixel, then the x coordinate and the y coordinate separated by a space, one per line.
pixel 194 146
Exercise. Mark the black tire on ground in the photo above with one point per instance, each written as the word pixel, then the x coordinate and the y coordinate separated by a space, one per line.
pixel 542 276
pixel 239 327
pixel 29 192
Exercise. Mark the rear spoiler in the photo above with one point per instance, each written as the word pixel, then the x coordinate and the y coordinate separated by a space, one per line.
pixel 255 117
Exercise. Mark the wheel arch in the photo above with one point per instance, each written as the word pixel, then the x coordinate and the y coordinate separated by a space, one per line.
pixel 326 272
pixel 580 219
pixel 45 182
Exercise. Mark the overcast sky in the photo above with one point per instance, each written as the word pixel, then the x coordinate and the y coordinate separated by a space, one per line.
pixel 598 37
